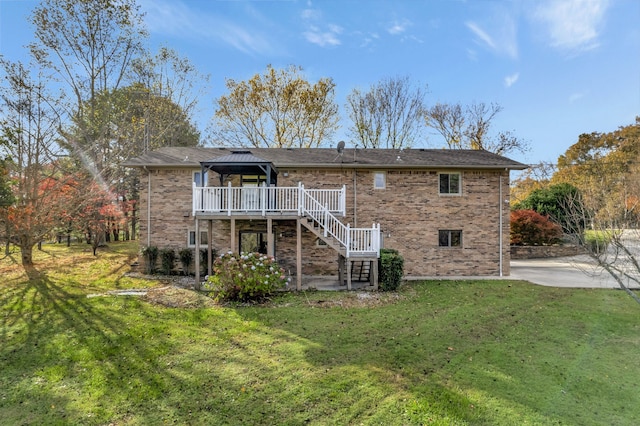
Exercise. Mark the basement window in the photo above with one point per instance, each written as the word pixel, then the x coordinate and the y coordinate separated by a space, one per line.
pixel 449 238
pixel 191 238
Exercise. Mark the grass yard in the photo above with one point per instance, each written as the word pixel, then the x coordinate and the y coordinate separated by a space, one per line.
pixel 435 353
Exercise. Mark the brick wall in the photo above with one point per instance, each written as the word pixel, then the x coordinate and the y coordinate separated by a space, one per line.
pixel 409 210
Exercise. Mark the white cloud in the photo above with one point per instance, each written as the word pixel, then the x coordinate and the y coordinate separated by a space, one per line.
pixel 502 39
pixel 481 34
pixel 573 25
pixel 398 27
pixel 576 97
pixel 317 31
pixel 511 79
pixel 176 19
pixel 323 38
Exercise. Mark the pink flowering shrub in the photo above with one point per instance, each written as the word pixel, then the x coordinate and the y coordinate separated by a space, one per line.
pixel 245 277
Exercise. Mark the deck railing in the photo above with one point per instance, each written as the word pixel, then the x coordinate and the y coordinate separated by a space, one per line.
pixel 320 205
pixel 263 200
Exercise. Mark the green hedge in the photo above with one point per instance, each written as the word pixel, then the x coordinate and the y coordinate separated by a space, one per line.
pixel 391 267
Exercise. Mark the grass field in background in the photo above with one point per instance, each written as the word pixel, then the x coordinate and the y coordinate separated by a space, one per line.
pixel 493 352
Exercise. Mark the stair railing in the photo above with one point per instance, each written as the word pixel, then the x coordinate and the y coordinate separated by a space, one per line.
pixel 354 240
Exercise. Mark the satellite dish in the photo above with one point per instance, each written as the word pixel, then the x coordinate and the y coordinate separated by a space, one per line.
pixel 340 147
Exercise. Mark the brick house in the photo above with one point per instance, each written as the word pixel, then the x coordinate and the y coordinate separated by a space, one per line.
pixel 324 212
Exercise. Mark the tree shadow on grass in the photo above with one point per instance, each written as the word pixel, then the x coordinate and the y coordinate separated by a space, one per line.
pixel 71 359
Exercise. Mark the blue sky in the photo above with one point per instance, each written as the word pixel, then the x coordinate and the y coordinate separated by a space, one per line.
pixel 559 68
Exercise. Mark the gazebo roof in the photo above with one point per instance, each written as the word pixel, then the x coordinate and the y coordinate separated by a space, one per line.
pixel 241 162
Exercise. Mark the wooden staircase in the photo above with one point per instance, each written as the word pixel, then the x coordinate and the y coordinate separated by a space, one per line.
pixel 361 270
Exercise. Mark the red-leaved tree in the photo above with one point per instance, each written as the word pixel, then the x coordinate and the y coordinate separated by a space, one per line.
pixel 529 228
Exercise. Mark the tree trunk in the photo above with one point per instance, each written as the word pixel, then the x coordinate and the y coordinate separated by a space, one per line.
pixel 26 254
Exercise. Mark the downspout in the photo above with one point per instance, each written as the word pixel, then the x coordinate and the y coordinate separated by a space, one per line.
pixel 148 205
pixel 500 223
pixel 355 198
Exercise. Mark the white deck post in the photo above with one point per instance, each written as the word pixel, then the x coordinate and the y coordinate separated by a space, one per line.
pixel 229 199
pixel 299 254
pixel 343 200
pixel 300 198
pixel 194 201
pixel 348 242
pixel 326 219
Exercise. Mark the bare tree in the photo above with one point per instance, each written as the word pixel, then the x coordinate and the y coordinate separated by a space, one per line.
pixel 470 128
pixel 279 108
pixel 449 121
pixel 389 115
pixel 613 244
pixel 89 44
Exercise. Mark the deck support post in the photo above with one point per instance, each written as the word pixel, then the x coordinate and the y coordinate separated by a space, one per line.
pixel 270 251
pixel 299 254
pixel 340 269
pixel 348 266
pixel 209 247
pixel 197 254
pixel 233 235
pixel 374 274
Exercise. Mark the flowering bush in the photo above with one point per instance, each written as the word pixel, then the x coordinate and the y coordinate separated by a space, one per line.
pixel 245 276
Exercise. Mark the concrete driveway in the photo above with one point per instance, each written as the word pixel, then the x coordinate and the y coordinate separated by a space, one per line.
pixel 574 271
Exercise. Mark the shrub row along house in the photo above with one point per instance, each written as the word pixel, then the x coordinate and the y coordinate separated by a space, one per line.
pixel 320 211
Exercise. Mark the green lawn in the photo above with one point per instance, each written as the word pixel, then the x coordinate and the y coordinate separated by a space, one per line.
pixel 439 352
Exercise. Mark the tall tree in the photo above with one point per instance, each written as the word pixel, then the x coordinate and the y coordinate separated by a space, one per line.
pixel 90 45
pixel 168 76
pixel 388 115
pixel 29 130
pixel 279 108
pixel 469 127
pixel 599 161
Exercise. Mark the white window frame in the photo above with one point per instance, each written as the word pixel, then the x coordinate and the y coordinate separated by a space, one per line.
pixel 450 194
pixel 191 235
pixel 383 177
pixel 195 177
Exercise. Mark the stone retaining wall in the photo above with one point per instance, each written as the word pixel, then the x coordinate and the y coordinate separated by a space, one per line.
pixel 533 252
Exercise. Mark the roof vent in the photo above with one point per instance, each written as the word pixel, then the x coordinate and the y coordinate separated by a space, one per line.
pixel 241 152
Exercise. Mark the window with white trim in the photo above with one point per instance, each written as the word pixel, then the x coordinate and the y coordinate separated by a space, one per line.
pixel 379 180
pixel 449 183
pixel 449 238
pixel 191 238
pixel 196 178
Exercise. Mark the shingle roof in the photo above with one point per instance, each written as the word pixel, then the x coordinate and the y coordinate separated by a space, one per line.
pixel 329 158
